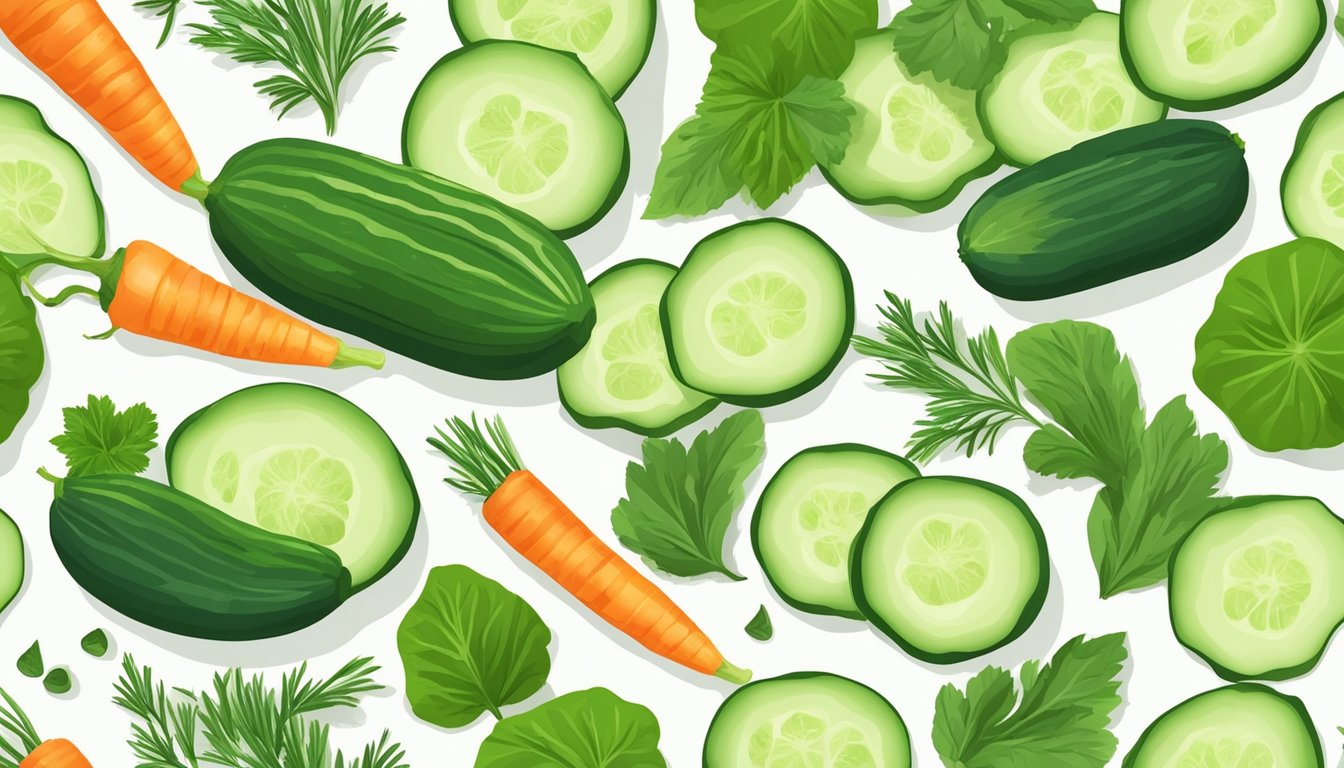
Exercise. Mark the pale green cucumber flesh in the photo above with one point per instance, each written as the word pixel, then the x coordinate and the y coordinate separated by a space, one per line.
pixel 11 561
pixel 1313 182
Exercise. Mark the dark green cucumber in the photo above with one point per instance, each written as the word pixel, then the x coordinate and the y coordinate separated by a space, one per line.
pixel 403 258
pixel 168 560
pixel 1109 208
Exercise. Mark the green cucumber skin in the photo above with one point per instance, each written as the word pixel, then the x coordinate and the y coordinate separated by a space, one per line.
pixel 293 216
pixel 1080 241
pixel 1231 675
pixel 1303 133
pixel 612 422
pixel 923 206
pixel 1030 611
pixel 821 610
pixel 1207 105
pixel 119 536
pixel 1132 756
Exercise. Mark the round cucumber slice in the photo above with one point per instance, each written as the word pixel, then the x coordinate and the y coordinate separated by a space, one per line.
pixel 1237 726
pixel 611 37
pixel 950 568
pixel 808 720
pixel 621 377
pixel 1257 588
pixel 760 313
pixel 45 188
pixel 1059 87
pixel 11 561
pixel 304 462
pixel 524 124
pixel 808 516
pixel 1209 54
pixel 916 141
pixel 1313 181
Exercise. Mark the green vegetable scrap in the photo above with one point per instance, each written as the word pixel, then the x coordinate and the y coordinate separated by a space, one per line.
pixel 58 681
pixel 760 626
pixel 679 503
pixel 1059 718
pixel 578 730
pixel 21 353
pixel 95 643
pixel 470 646
pixel 30 661
pixel 99 439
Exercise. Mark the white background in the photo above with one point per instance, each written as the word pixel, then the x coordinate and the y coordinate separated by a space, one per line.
pixel 1154 317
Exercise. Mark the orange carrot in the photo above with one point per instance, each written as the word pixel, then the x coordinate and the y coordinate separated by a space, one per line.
pixel 19 742
pixel 77 46
pixel 542 529
pixel 56 753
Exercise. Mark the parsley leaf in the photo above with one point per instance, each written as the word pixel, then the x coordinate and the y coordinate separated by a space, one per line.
pixel 578 730
pixel 818 35
pixel 679 504
pixel 99 439
pixel 1061 717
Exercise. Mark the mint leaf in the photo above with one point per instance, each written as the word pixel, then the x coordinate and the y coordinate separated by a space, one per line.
pixel 679 503
pixel 100 439
pixel 578 730
pixel 1060 718
pixel 760 627
pixel 808 37
pixel 470 646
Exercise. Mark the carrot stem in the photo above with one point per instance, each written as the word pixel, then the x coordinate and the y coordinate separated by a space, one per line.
pixel 351 357
pixel 196 187
pixel 732 673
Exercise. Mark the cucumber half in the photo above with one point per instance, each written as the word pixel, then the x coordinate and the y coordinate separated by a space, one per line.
pixel 524 124
pixel 11 561
pixel 950 568
pixel 806 719
pixel 1257 589
pixel 621 377
pixel 760 313
pixel 45 188
pixel 1209 54
pixel 1237 726
pixel 1313 182
pixel 808 516
pixel 1060 86
pixel 303 462
pixel 916 141
pixel 611 37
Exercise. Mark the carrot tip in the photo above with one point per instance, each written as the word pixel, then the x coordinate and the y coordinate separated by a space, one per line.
pixel 349 357
pixel 733 674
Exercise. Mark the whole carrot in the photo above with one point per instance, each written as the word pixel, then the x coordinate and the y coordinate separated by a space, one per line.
pixel 75 44
pixel 542 529
pixel 56 753
pixel 21 747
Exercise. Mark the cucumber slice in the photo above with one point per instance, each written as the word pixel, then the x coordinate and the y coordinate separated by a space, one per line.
pixel 1237 726
pixel 808 516
pixel 303 462
pixel 916 141
pixel 1313 182
pixel 524 124
pixel 1257 589
pixel 760 313
pixel 1209 54
pixel 611 37
pixel 11 561
pixel 1060 86
pixel 806 719
pixel 950 568
pixel 45 188
pixel 621 377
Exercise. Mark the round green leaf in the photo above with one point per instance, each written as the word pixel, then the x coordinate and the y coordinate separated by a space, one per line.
pixel 1271 354
pixel 21 355
pixel 578 730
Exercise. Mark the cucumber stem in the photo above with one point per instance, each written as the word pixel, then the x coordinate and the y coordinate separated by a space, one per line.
pixel 196 187
pixel 349 357
pixel 733 674
pixel 57 482
pixel 1236 139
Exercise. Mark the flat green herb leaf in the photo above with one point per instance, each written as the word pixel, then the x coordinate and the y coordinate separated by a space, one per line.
pixel 679 504
pixel 99 439
pixel 809 37
pixel 760 627
pixel 1271 354
pixel 1069 11
pixel 21 354
pixel 1060 719
pixel 470 646
pixel 95 643
pixel 578 730
pixel 58 681
pixel 30 662
pixel 953 39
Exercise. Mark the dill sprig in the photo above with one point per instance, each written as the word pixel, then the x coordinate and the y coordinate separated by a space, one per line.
pixel 972 393
pixel 318 41
pixel 161 9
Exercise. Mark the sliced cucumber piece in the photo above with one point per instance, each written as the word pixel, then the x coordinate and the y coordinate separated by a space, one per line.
pixel 1060 86
pixel 807 720
pixel 950 568
pixel 1313 182
pixel 808 516
pixel 760 313
pixel 1237 726
pixel 1209 54
pixel 304 462
pixel 524 124
pixel 11 561
pixel 1257 588
pixel 611 37
pixel 45 188
pixel 621 377
pixel 916 141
